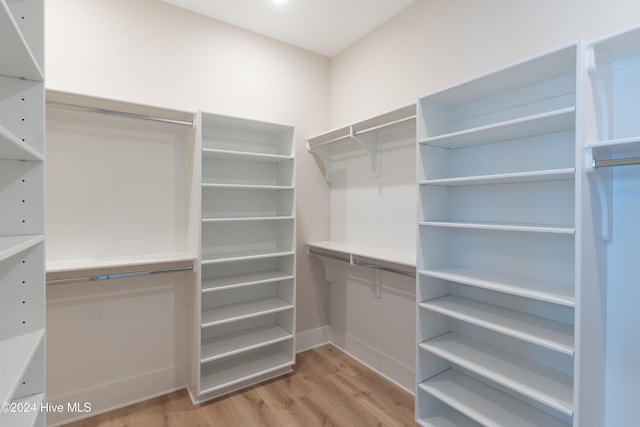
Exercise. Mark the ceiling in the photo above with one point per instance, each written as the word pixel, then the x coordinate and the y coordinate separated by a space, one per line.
pixel 322 26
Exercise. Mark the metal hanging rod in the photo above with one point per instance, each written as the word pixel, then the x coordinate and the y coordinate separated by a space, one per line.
pixel 322 254
pixel 74 107
pixel 616 162
pixel 355 261
pixel 115 276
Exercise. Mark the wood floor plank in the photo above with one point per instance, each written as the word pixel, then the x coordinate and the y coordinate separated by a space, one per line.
pixel 326 388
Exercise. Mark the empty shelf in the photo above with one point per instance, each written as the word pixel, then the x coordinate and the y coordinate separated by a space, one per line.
pixel 247 279
pixel 244 156
pixel 245 310
pixel 233 344
pixel 530 228
pixel 485 404
pixel 11 245
pixel 557 293
pixel 547 333
pixel 541 383
pixel 505 178
pixel 248 218
pixel 16 354
pixel 244 368
pixel 206 185
pixel 553 121
pixel 446 417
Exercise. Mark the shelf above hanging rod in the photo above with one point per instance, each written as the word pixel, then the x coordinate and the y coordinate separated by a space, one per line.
pixel 118 113
pixel 98 278
pixel 625 161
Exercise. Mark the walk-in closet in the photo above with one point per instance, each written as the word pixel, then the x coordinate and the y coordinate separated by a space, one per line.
pixel 298 213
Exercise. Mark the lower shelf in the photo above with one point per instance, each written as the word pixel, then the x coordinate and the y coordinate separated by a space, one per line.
pixel 446 417
pixel 227 373
pixel 541 383
pixel 16 354
pixel 485 404
pixel 247 340
pixel 28 412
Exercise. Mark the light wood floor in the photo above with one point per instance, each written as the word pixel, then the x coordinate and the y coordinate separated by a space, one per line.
pixel 327 388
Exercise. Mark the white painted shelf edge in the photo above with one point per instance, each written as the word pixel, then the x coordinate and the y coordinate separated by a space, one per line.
pixel 445 416
pixel 485 404
pixel 505 178
pixel 530 228
pixel 557 293
pixel 16 354
pixel 541 383
pixel 405 259
pixel 249 218
pixel 244 310
pixel 206 185
pixel 244 156
pixel 17 58
pixel 244 256
pixel 13 148
pixel 244 341
pixel 553 121
pixel 546 333
pixel 72 265
pixel 12 245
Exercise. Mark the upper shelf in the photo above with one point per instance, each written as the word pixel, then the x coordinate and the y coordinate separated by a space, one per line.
pixel 11 245
pixel 13 148
pixel 244 156
pixel 367 135
pixel 347 250
pixel 18 48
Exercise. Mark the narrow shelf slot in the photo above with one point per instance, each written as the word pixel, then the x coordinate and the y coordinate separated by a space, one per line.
pixel 553 121
pixel 245 310
pixel 242 280
pixel 220 375
pixel 11 245
pixel 485 404
pixel 501 227
pixel 556 293
pixel 506 178
pixel 240 342
pixel 16 353
pixel 553 335
pixel 541 383
pixel 13 148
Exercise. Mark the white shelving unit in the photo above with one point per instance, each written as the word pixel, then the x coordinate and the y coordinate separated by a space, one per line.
pixel 246 321
pixel 610 204
pixel 497 246
pixel 22 296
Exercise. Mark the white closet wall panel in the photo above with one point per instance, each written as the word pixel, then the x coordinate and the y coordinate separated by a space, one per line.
pixel 116 187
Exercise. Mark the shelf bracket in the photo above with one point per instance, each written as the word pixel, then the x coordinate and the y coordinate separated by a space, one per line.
pixel 375 277
pixel 372 147
pixel 325 159
pixel 329 262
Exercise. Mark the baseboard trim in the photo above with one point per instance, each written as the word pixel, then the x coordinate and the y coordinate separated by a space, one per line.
pixel 312 338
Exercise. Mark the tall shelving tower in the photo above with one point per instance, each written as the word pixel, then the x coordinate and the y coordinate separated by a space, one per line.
pixel 22 271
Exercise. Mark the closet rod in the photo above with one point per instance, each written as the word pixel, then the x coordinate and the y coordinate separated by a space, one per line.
pixel 355 261
pixel 616 162
pixel 114 276
pixel 74 107
pixel 322 254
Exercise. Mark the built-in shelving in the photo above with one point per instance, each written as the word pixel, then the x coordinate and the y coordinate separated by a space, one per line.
pixel 366 135
pixel 484 404
pixel 246 317
pixel 22 295
pixel 497 244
